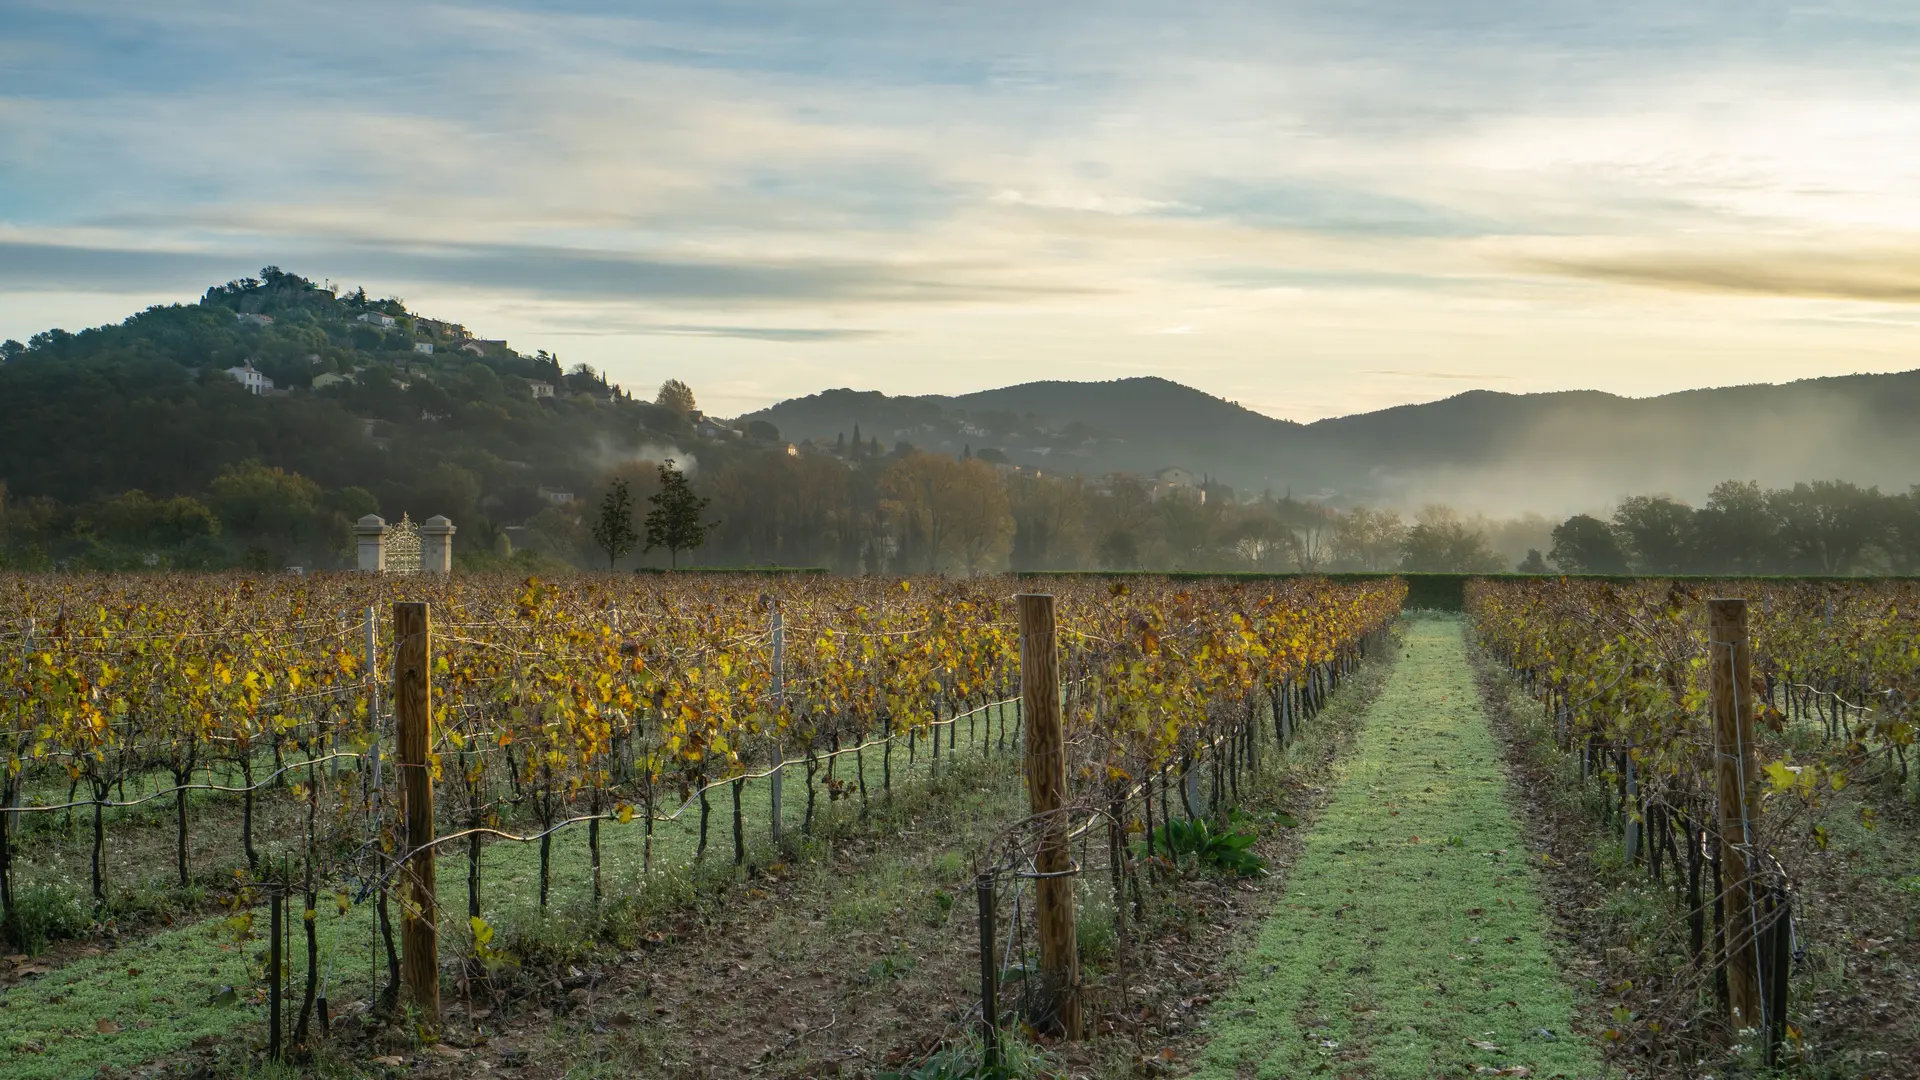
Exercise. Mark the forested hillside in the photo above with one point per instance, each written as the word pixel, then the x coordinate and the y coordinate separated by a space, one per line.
pixel 133 442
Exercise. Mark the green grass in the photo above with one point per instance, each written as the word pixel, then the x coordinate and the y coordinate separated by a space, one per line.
pixel 1412 928
pixel 160 991
pixel 48 1025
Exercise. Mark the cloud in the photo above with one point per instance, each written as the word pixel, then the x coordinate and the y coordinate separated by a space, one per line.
pixel 551 272
pixel 60 267
pixel 1884 276
pixel 1333 204
pixel 793 334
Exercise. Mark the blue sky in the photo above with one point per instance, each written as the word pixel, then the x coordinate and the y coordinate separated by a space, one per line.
pixel 1313 209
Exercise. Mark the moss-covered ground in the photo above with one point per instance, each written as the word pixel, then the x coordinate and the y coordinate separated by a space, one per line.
pixel 1412 941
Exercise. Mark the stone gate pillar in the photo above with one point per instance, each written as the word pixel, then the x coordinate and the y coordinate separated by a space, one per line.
pixel 371 534
pixel 436 545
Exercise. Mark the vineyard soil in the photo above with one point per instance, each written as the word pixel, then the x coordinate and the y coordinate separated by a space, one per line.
pixel 1411 941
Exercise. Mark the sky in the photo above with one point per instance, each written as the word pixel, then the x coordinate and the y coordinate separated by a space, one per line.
pixel 1313 209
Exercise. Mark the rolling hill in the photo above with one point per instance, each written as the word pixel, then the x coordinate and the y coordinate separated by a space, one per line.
pixel 1550 452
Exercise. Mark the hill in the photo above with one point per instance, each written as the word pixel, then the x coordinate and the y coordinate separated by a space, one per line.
pixel 118 438
pixel 1550 452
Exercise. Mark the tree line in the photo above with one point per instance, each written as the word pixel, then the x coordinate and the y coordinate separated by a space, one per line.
pixel 1820 527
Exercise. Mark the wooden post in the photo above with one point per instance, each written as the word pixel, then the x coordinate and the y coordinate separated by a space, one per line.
pixel 1046 794
pixel 1736 773
pixel 989 975
pixel 413 710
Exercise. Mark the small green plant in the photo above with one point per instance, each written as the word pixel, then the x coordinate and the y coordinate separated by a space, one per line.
pixel 1911 886
pixel 894 965
pixel 948 1065
pixel 43 915
pixel 941 906
pixel 1094 932
pixel 1017 1060
pixel 1225 847
pixel 493 960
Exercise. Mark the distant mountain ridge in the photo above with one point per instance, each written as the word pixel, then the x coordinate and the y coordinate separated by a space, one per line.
pixel 1498 451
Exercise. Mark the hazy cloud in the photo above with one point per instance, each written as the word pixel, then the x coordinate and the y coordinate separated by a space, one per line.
pixel 559 273
pixel 1887 276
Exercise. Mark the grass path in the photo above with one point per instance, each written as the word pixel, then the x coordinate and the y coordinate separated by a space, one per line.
pixel 1412 940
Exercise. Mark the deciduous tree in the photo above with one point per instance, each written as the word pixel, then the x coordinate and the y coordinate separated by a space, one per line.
pixel 614 530
pixel 674 522
pixel 676 397
pixel 1583 544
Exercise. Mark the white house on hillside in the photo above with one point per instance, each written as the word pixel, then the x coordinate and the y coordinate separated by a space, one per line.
pixel 1173 479
pixel 423 346
pixel 246 376
pixel 377 318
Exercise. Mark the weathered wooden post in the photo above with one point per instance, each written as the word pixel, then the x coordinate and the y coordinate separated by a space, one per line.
pixel 1046 794
pixel 413 709
pixel 1736 785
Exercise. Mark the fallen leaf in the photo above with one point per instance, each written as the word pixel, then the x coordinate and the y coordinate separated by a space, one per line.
pixel 1481 1044
pixel 106 1027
